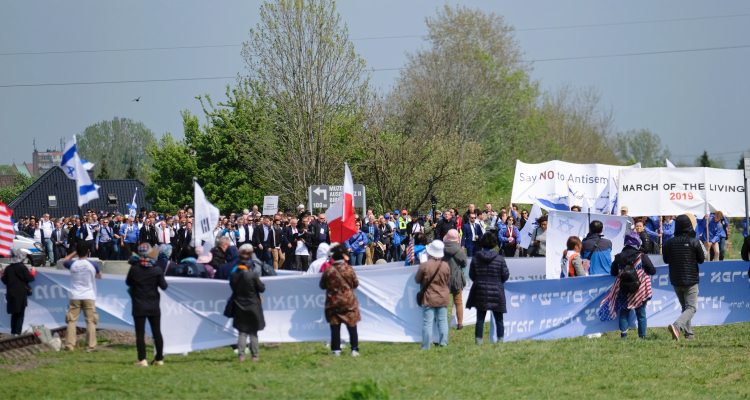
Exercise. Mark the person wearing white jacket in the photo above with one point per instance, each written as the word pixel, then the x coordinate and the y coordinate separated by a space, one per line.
pixel 164 233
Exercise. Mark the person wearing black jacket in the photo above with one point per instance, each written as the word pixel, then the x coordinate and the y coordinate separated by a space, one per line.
pixel 444 225
pixel 247 311
pixel 15 277
pixel 144 280
pixel 684 253
pixel 183 237
pixel 301 245
pixel 629 255
pixel 75 234
pixel 746 250
pixel 647 246
pixel 276 244
pixel 411 229
pixel 288 244
pixel 319 233
pixel 58 243
pixel 262 237
pixel 148 233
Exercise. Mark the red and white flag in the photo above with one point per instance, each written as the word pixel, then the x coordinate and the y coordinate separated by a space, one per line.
pixel 341 214
pixel 7 234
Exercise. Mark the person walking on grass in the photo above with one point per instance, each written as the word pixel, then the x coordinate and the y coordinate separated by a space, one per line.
pixel 632 287
pixel 683 253
pixel 144 280
pixel 82 295
pixel 339 282
pixel 433 277
pixel 488 272
pixel 247 311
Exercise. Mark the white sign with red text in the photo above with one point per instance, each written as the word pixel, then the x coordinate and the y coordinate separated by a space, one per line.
pixel 674 191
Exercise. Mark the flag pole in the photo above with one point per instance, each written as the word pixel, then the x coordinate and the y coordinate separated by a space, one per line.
pixel 661 238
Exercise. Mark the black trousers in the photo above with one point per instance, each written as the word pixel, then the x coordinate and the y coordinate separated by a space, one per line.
pixel 336 337
pixel 92 247
pixel 16 322
pixel 60 252
pixel 140 336
pixel 127 249
pixel 302 262
pixel 105 251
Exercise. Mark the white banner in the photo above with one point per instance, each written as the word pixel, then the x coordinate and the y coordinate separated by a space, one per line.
pixel 551 180
pixel 564 224
pixel 270 205
pixel 675 191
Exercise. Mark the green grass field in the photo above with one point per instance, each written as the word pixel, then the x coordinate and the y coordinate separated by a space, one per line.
pixel 714 366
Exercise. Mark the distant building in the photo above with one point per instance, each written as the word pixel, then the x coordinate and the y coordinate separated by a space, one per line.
pixel 55 193
pixel 43 161
pixel 26 169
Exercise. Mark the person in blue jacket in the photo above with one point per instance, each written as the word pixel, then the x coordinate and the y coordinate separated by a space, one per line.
pixel 472 233
pixel 667 228
pixel 356 246
pixel 717 235
pixel 509 237
pixel 373 235
pixel 129 234
pixel 597 249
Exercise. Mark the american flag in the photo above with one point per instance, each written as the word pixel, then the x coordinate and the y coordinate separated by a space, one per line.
pixel 616 301
pixel 6 231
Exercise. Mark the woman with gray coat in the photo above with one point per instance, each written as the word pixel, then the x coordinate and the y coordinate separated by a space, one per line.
pixel 456 259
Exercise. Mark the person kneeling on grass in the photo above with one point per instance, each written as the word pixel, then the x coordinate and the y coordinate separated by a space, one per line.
pixel 339 282
pixel 433 277
pixel 144 280
pixel 632 288
pixel 488 272
pixel 247 311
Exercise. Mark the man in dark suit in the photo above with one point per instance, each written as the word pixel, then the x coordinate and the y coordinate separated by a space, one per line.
pixel 262 239
pixel 184 235
pixel 319 233
pixel 58 242
pixel 289 245
pixel 472 234
pixel 76 233
pixel 244 233
pixel 148 233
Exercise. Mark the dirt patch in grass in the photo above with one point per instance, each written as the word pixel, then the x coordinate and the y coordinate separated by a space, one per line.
pixel 27 364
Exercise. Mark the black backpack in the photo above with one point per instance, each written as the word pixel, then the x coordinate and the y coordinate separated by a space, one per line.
pixel 629 281
pixel 267 269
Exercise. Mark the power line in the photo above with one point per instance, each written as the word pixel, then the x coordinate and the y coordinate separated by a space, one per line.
pixel 373 38
pixel 114 82
pixel 382 69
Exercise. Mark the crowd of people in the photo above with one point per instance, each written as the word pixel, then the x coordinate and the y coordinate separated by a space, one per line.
pixel 249 245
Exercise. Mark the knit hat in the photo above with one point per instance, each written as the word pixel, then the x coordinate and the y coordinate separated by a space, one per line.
pixel 435 249
pixel 146 254
pixel 165 250
pixel 633 239
pixel 451 236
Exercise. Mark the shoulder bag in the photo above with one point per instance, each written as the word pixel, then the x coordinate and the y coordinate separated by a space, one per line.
pixel 420 295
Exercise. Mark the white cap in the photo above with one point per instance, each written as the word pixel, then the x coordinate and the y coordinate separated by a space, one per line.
pixel 301 206
pixel 436 248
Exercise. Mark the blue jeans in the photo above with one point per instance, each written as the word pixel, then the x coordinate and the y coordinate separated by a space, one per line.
pixel 640 315
pixel 479 327
pixel 356 259
pixel 428 319
pixel 115 250
pixel 50 250
pixel 722 243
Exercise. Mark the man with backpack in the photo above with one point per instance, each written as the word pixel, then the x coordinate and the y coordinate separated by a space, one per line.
pixel 684 253
pixel 597 250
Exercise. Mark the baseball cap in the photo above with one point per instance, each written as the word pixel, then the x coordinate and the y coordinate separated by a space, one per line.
pixel 396 212
pixel 404 212
pixel 301 206
pixel 387 216
pixel 624 208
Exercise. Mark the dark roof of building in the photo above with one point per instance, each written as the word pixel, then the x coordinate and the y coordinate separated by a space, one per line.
pixel 36 198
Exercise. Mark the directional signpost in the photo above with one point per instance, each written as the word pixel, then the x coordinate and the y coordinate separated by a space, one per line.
pixel 323 196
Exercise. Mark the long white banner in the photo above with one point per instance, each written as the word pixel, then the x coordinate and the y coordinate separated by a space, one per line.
pixel 550 180
pixel 192 309
pixel 674 191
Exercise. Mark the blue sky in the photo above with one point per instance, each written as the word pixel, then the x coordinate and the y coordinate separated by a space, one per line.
pixel 694 100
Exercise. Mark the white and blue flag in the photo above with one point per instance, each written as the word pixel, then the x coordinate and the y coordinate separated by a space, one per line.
pixel 132 207
pixel 531 224
pixel 87 165
pixel 73 167
pixel 606 203
pixel 557 203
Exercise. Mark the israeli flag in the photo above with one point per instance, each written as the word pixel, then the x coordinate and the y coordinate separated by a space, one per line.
pixel 87 165
pixel 132 207
pixel 531 224
pixel 558 203
pixel 606 203
pixel 73 167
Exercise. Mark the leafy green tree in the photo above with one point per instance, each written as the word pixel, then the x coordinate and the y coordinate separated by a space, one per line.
pixel 103 171
pixel 171 177
pixel 131 173
pixel 122 141
pixel 302 59
pixel 741 164
pixel 7 170
pixel 642 146
pixel 21 182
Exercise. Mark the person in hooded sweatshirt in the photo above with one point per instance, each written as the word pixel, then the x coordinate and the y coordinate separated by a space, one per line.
pixel 456 259
pixel 144 280
pixel 321 258
pixel 633 254
pixel 488 272
pixel 684 253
